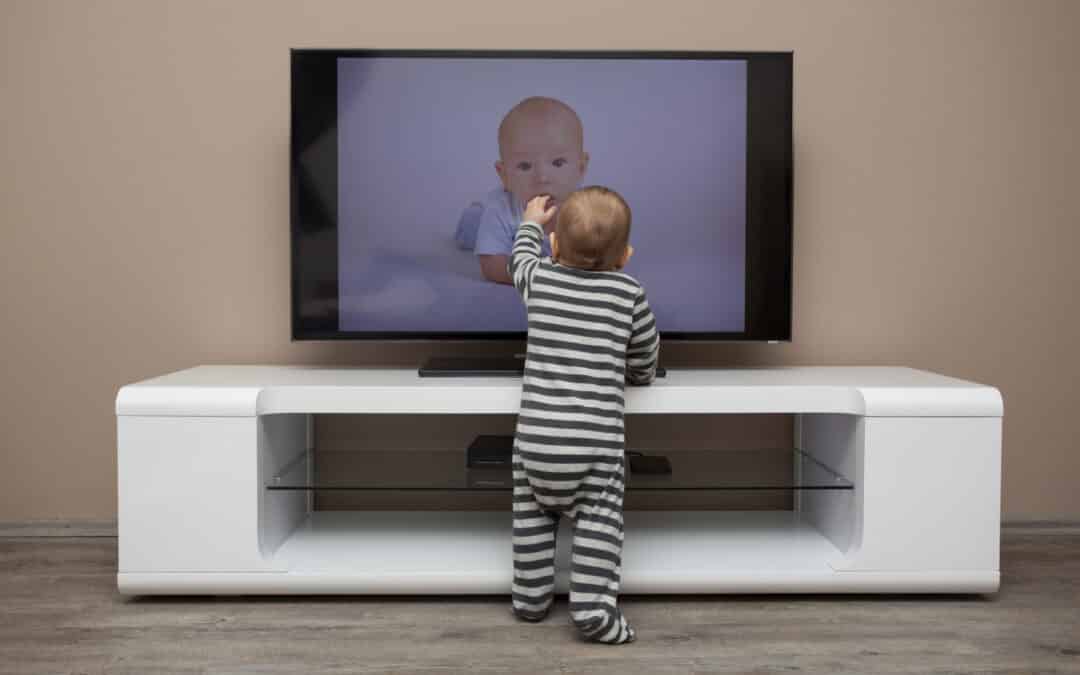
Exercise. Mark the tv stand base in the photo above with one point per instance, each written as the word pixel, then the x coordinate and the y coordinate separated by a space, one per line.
pixel 198 449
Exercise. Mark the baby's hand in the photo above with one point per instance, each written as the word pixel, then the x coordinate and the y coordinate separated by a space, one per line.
pixel 538 209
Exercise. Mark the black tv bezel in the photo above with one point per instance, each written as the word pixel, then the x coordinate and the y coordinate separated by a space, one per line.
pixel 769 188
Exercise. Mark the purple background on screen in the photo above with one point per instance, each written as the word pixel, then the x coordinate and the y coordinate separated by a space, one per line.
pixel 417 144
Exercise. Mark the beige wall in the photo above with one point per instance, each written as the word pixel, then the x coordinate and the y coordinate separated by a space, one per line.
pixel 143 200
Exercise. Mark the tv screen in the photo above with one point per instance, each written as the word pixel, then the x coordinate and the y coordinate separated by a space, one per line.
pixel 410 170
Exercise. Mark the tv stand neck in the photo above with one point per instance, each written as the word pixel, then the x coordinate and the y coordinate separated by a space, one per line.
pixel 481 366
pixel 473 366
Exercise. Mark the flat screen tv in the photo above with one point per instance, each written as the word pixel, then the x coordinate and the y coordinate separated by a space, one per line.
pixel 401 185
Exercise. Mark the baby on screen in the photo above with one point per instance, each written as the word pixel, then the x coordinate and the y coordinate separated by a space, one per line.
pixel 541 152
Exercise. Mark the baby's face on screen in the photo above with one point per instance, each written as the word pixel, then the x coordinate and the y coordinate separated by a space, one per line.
pixel 542 155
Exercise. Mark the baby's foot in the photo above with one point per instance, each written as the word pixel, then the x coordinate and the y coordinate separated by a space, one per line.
pixel 530 615
pixel 624 635
pixel 616 633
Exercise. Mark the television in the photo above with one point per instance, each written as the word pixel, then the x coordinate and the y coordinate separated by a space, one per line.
pixel 399 188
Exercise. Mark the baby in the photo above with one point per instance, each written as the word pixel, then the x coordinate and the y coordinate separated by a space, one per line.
pixel 590 332
pixel 541 151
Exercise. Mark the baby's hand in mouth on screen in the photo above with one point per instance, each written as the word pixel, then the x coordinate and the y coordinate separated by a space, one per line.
pixel 540 209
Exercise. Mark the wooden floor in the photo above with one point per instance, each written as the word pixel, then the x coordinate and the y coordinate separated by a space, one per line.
pixel 60 613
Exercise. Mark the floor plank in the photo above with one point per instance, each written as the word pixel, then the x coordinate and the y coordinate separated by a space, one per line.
pixel 60 613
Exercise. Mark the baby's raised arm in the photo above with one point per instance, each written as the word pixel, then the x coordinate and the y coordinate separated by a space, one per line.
pixel 527 243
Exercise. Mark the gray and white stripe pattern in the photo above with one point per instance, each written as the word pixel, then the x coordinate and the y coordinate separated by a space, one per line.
pixel 589 333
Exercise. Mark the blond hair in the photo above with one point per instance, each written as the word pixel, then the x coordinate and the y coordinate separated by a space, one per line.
pixel 593 229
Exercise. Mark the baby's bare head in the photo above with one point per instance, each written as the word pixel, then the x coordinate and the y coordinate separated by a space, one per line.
pixel 593 229
pixel 539 121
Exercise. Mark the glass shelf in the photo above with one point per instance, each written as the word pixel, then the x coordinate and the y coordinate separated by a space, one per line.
pixel 443 470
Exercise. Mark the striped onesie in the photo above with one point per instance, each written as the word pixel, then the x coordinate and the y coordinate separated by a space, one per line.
pixel 590 332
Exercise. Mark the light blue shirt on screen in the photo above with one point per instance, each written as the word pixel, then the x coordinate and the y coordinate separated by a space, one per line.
pixel 491 225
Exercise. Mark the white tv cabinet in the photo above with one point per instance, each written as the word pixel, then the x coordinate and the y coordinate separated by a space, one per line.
pixel 197 448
